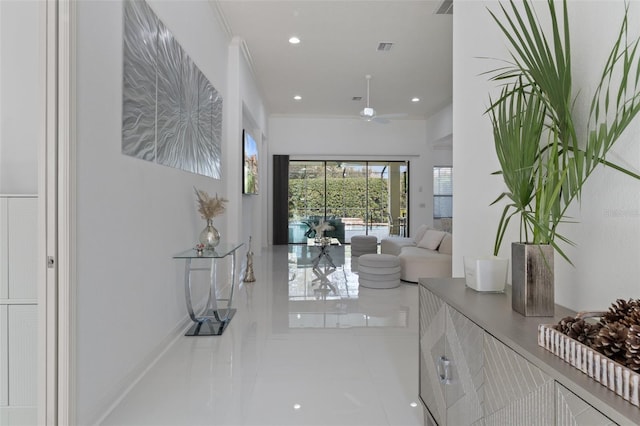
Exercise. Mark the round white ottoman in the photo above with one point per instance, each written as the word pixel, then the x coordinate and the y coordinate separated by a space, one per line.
pixel 379 271
pixel 363 244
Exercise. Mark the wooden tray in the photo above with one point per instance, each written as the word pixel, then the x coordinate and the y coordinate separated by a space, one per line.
pixel 618 378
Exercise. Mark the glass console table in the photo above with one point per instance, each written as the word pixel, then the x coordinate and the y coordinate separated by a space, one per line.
pixel 324 244
pixel 213 320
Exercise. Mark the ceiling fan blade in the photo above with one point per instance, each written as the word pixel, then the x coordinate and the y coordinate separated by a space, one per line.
pixel 369 114
pixel 398 115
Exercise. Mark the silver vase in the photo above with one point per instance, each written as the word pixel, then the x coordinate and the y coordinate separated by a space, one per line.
pixel 210 237
pixel 532 279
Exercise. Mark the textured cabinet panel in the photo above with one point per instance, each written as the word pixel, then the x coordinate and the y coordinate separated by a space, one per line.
pixel 464 345
pixel 573 411
pixel 515 392
pixel 432 347
pixel 18 416
pixel 23 346
pixel 451 361
pixel 18 316
pixel 4 248
pixel 428 419
pixel 4 356
pixel 22 236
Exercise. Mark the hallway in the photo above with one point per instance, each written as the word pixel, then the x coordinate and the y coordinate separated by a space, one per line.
pixel 298 352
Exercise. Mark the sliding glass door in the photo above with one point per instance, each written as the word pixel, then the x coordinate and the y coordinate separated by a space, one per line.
pixel 355 197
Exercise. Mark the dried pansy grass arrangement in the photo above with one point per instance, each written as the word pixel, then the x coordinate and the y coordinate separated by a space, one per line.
pixel 209 207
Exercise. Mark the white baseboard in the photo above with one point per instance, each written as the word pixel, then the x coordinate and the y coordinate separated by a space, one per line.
pixel 120 391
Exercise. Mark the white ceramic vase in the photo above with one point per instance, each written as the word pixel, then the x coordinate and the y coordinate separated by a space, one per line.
pixel 487 273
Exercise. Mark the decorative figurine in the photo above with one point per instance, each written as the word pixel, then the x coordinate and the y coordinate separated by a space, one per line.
pixel 249 277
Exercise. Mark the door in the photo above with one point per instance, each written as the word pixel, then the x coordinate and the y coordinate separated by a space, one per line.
pixel 515 391
pixel 451 363
pixel 464 389
pixel 354 197
pixel 32 50
pixel 22 126
pixel 432 365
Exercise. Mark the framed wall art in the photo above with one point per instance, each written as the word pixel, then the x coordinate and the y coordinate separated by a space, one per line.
pixel 250 156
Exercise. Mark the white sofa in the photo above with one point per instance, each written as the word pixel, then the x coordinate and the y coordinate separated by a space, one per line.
pixel 427 255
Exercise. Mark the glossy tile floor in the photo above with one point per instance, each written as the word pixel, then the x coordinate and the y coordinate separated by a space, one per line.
pixel 306 347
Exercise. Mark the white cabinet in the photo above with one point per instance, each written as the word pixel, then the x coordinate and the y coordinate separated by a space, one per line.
pixel 18 305
pixel 480 365
pixel 451 361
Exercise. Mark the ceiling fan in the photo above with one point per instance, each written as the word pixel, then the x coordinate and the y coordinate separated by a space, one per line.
pixel 369 114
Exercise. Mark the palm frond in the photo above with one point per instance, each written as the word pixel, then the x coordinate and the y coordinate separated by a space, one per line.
pixel 543 163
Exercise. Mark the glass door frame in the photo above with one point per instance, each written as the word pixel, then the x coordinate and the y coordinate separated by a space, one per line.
pixel 391 217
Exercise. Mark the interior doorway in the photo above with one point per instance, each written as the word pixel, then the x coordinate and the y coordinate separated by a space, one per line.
pixel 35 97
pixel 22 128
pixel 354 197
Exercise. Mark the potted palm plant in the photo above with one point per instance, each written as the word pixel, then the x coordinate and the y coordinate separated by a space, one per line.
pixel 544 160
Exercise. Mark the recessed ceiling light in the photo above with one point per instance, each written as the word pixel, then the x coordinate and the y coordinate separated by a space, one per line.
pixel 415 99
pixel 297 98
pixel 294 40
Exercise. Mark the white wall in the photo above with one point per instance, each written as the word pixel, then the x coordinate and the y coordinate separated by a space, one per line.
pixel 21 105
pixel 255 120
pixel 345 138
pixel 608 235
pixel 247 112
pixel 133 215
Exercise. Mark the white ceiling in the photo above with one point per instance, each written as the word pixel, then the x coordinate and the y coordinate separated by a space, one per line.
pixel 339 47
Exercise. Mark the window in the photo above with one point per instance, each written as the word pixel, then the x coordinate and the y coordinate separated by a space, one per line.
pixel 355 197
pixel 442 192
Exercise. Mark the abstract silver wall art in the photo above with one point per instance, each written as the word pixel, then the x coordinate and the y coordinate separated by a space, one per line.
pixel 139 81
pixel 171 113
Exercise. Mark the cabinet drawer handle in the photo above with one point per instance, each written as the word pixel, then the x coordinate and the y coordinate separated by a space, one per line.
pixel 443 370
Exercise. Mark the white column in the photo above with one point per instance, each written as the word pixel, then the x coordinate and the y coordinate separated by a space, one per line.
pixel 232 170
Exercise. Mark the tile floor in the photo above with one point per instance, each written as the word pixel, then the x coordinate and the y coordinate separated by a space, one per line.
pixel 305 348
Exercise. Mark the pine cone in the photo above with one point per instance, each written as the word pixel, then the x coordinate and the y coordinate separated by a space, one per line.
pixel 632 317
pixel 632 348
pixel 579 329
pixel 624 311
pixel 611 341
pixel 565 324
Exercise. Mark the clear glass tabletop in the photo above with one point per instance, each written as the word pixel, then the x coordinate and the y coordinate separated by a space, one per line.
pixel 222 250
pixel 312 242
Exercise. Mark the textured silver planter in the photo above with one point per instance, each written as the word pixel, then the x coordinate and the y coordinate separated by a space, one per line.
pixel 532 279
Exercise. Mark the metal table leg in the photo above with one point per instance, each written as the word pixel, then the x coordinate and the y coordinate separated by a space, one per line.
pixel 212 321
pixel 324 252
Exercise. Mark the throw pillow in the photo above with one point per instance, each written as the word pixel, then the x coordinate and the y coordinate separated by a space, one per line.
pixel 420 233
pixel 431 239
pixel 446 246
